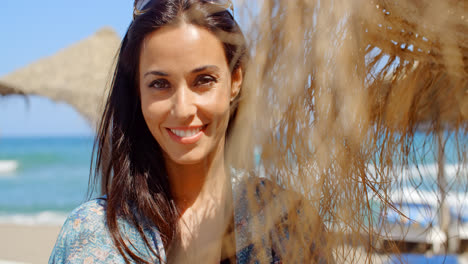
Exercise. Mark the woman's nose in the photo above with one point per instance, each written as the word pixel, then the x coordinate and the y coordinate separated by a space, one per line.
pixel 183 103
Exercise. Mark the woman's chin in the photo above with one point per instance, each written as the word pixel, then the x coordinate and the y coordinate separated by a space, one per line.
pixel 187 158
pixel 187 161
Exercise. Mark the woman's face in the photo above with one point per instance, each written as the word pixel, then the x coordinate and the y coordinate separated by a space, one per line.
pixel 186 86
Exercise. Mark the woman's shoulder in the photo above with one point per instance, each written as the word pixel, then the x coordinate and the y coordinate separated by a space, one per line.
pixel 88 218
pixel 90 214
pixel 84 236
pixel 291 218
pixel 263 191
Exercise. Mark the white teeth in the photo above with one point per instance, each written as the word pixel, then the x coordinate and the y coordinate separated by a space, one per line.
pixel 186 133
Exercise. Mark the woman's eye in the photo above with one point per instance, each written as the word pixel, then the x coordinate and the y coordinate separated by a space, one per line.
pixel 160 84
pixel 205 80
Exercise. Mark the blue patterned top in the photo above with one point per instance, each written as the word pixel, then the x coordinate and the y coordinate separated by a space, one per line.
pixel 85 238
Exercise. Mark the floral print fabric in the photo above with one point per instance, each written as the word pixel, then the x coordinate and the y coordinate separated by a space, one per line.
pixel 84 237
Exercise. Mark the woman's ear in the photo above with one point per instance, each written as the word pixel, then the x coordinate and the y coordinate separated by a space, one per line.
pixel 236 82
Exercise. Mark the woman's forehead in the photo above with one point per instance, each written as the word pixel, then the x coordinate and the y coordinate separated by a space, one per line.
pixel 182 46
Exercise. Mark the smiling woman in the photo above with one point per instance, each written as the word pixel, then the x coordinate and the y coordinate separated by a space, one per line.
pixel 160 147
pixel 161 151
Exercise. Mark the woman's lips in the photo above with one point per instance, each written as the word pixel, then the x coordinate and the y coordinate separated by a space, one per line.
pixel 186 135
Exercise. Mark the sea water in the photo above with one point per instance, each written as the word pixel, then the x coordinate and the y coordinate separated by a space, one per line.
pixel 50 181
pixel 53 172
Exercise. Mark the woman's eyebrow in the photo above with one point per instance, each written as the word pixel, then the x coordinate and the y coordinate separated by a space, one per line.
pixel 159 73
pixel 207 67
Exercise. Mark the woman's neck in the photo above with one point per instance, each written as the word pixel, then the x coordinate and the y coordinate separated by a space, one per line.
pixel 200 193
pixel 197 182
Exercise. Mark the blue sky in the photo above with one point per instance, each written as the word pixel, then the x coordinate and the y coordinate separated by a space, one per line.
pixel 31 30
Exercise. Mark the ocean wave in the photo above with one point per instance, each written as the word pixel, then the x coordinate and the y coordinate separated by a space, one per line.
pixel 7 166
pixel 48 218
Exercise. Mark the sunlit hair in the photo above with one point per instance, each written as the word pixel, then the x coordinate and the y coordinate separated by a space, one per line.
pixel 129 162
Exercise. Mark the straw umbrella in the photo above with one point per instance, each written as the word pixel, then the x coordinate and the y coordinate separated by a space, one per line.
pixel 432 37
pixel 334 112
pixel 5 90
pixel 77 75
pixel 427 43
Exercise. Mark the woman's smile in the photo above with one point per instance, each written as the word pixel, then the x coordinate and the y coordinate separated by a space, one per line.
pixel 186 135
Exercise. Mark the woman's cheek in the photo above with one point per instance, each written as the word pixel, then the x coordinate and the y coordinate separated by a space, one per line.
pixel 217 103
pixel 219 114
pixel 153 117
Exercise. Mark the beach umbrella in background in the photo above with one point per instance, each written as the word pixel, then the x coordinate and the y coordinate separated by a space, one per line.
pixel 77 75
pixel 5 90
pixel 423 83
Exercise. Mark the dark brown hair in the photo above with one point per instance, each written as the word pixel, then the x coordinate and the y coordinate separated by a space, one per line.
pixel 129 162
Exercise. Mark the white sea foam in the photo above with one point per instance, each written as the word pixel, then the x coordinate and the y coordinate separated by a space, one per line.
pixel 7 166
pixel 11 262
pixel 47 218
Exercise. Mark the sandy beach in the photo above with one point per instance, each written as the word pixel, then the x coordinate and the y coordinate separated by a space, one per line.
pixel 26 244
